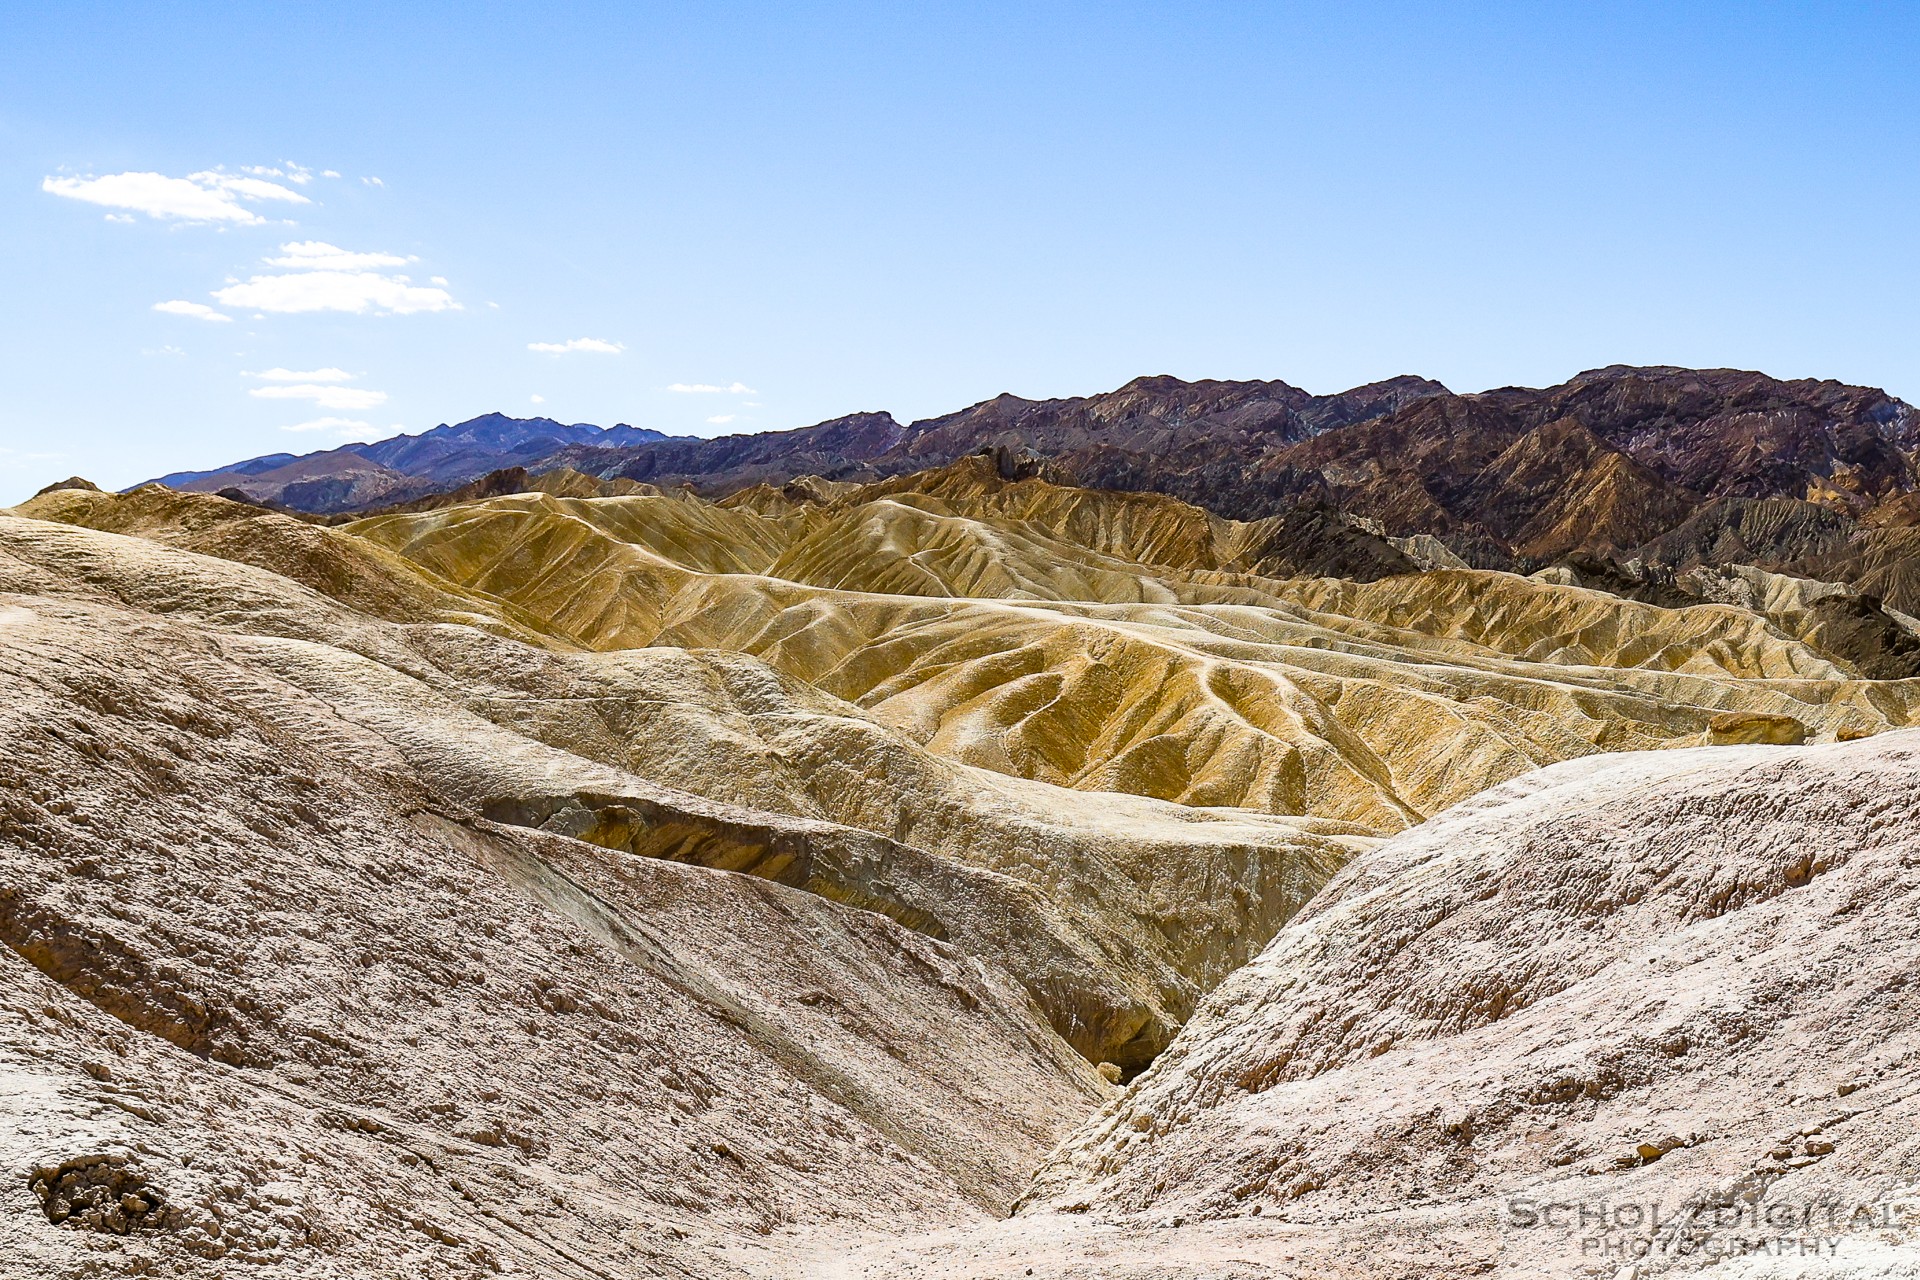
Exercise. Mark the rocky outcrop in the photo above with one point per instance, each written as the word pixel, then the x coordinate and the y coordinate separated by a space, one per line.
pixel 1748 726
pixel 1842 621
pixel 1615 982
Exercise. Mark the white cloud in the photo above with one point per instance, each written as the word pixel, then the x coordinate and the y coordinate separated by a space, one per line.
pixel 578 344
pixel 353 291
pixel 345 426
pixel 538 399
pixel 709 389
pixel 298 375
pixel 722 419
pixel 325 277
pixel 297 173
pixel 318 255
pixel 325 397
pixel 436 280
pixel 373 182
pixel 198 310
pixel 329 173
pixel 251 188
pixel 209 196
pixel 120 217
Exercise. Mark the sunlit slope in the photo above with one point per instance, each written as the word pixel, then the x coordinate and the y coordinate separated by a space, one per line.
pixel 362 575
pixel 1377 704
pixel 1115 912
pixel 1505 614
pixel 1533 991
pixel 603 573
pixel 1143 528
pixel 912 546
pixel 1248 706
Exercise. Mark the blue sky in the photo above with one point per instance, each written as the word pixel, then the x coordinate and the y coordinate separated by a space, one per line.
pixel 813 209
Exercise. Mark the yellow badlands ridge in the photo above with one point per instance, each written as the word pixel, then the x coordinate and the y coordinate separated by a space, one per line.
pixel 1002 627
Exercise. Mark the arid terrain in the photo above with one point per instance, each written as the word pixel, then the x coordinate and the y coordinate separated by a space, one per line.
pixel 1629 475
pixel 1205 830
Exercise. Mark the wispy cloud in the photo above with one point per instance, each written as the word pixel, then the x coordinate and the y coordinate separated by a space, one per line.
pixel 578 344
pixel 295 173
pixel 325 277
pixel 722 419
pixel 710 389
pixel 324 397
pixel 297 375
pixel 209 196
pixel 538 399
pixel 318 255
pixel 322 387
pixel 198 310
pixel 356 292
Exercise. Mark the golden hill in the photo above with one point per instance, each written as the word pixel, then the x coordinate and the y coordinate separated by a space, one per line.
pixel 1000 624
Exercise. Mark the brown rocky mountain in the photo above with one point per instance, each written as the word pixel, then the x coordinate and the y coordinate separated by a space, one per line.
pixel 1605 463
pixel 1615 456
pixel 1137 437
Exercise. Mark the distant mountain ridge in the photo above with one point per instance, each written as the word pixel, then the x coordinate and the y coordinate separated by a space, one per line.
pixel 405 466
pixel 1157 418
pixel 1660 464
pixel 1137 437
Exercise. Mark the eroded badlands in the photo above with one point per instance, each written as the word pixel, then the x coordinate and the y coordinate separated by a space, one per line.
pixel 802 883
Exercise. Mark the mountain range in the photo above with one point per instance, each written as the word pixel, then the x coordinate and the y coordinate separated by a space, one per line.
pixel 1661 469
pixel 358 475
